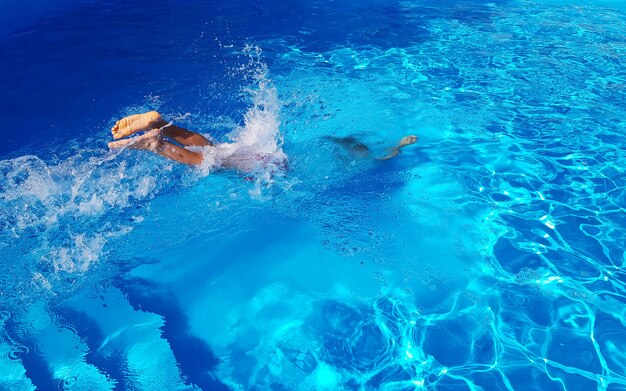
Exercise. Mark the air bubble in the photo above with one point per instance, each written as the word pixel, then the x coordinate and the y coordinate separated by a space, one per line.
pixel 527 275
pixel 378 276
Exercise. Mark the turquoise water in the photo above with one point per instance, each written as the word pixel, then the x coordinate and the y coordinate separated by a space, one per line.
pixel 488 256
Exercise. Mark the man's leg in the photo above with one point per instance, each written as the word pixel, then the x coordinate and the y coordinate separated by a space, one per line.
pixel 179 154
pixel 185 137
pixel 395 151
pixel 137 123
pixel 351 145
pixel 153 141
pixel 359 149
pixel 152 120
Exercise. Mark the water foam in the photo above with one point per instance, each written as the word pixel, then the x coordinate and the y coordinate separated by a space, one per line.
pixel 56 217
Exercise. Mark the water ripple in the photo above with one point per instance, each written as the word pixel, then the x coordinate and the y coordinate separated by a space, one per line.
pixel 17 353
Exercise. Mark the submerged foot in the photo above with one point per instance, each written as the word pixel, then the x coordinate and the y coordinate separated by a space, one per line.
pixel 149 141
pixel 395 151
pixel 407 140
pixel 135 123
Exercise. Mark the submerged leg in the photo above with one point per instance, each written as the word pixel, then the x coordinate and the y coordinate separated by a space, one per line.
pixel 395 151
pixel 153 141
pixel 356 147
pixel 351 144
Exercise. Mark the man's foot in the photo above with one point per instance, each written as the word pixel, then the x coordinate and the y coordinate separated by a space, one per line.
pixel 395 151
pixel 136 123
pixel 149 141
pixel 407 140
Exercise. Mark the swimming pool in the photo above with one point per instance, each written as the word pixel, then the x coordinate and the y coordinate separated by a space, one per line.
pixel 488 256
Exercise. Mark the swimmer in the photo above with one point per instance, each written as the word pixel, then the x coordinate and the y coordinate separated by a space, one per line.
pixel 173 142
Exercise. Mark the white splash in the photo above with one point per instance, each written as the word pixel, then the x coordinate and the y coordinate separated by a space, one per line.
pixel 79 255
pixel 256 146
pixel 56 217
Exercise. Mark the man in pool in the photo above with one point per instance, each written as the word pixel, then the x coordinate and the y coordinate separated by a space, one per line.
pixel 176 143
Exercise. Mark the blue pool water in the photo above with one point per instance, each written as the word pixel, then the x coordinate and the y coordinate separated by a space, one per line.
pixel 488 256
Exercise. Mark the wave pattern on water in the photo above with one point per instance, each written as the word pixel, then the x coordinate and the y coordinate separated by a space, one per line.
pixel 526 112
pixel 487 257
